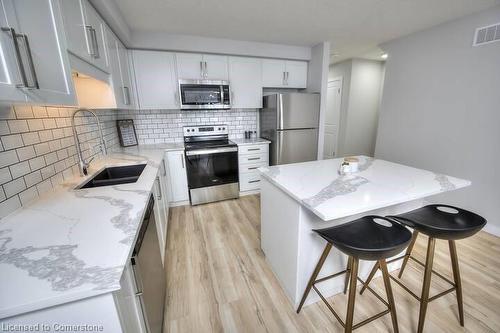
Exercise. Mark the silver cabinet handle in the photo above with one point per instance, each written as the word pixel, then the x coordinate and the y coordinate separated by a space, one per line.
pixel 287 74
pixel 206 70
pixel 254 158
pixel 159 187
pixel 254 181
pixel 164 169
pixel 126 95
pixel 182 160
pixel 253 168
pixel 284 80
pixel 91 45
pixel 19 61
pixel 252 149
pixel 96 45
pixel 35 84
pixel 202 74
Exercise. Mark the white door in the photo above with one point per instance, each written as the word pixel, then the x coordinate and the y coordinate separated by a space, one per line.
pixel 273 73
pixel 77 34
pixel 97 37
pixel 155 79
pixel 215 67
pixel 296 74
pixel 245 75
pixel 42 50
pixel 177 176
pixel 190 65
pixel 332 118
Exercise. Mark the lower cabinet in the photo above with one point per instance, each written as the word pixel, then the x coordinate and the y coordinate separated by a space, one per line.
pixel 177 178
pixel 161 209
pixel 250 158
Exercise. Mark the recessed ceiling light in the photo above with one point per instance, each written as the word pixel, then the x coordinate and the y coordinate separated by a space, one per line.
pixel 384 56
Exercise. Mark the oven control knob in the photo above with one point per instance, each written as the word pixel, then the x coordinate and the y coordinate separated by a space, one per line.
pixel 223 128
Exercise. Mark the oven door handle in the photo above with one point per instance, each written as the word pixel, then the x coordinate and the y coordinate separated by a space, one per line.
pixel 211 151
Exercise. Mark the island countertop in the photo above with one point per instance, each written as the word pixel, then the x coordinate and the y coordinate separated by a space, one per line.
pixel 318 186
pixel 72 244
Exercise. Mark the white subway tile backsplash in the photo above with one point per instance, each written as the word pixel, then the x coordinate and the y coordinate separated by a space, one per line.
pixel 14 187
pixel 49 123
pixel 23 111
pixel 4 128
pixel 44 187
pixel 25 153
pixel 18 126
pixel 12 141
pixel 31 138
pixel 42 148
pixel 33 178
pixel 5 176
pixel 8 157
pixel 28 195
pixel 53 112
pixel 20 169
pixel 37 163
pixel 35 124
pixel 9 205
pixel 40 111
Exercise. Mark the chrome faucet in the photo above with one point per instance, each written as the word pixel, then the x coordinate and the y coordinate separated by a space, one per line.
pixel 81 162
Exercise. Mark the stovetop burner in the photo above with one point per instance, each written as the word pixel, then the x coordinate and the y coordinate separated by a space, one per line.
pixel 206 136
pixel 208 144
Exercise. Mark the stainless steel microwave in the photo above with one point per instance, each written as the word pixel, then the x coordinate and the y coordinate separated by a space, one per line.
pixel 204 94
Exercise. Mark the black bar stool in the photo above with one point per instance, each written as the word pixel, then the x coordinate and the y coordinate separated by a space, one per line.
pixel 437 222
pixel 368 238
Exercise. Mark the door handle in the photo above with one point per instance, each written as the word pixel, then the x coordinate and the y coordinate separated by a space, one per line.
pixel 126 95
pixel 20 66
pixel 35 84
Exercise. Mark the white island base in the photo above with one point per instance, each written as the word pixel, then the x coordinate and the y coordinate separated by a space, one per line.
pixel 293 249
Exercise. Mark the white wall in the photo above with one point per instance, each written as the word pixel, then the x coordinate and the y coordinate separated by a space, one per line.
pixel 359 108
pixel 441 109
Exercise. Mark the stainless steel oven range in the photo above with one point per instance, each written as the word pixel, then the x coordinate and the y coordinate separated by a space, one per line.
pixel 211 163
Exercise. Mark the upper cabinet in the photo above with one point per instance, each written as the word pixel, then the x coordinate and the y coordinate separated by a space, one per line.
pixel 155 78
pixel 35 66
pixel 284 73
pixel 120 72
pixel 202 66
pixel 85 32
pixel 245 77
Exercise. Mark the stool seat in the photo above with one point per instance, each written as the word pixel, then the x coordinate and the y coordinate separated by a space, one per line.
pixel 368 238
pixel 442 221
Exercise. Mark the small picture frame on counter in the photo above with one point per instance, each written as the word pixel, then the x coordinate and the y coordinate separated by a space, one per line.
pixel 126 132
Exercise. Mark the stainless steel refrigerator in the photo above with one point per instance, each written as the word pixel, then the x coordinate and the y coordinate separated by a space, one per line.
pixel 290 121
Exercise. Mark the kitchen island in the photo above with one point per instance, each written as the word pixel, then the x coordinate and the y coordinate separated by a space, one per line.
pixel 297 198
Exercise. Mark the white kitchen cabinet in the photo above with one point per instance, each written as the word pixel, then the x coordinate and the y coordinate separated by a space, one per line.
pixel 156 79
pixel 202 66
pixel 160 213
pixel 177 178
pixel 245 75
pixel 250 158
pixel 120 75
pixel 35 66
pixel 85 32
pixel 296 74
pixel 284 73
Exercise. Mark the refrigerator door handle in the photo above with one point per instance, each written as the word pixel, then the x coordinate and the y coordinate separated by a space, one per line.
pixel 279 146
pixel 279 116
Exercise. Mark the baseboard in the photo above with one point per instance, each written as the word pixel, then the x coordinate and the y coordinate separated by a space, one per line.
pixel 178 203
pixel 492 229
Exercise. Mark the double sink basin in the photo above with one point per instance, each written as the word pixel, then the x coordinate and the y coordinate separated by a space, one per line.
pixel 115 176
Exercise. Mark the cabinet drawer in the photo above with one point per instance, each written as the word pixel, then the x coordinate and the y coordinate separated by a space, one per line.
pixel 250 181
pixel 246 168
pixel 253 149
pixel 252 159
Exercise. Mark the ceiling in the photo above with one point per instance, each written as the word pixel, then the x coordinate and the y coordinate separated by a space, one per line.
pixel 353 27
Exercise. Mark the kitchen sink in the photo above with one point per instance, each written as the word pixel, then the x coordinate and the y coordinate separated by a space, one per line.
pixel 115 176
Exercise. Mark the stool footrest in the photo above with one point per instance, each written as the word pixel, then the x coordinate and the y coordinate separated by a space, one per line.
pixel 332 310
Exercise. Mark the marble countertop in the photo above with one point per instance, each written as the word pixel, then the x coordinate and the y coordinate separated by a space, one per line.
pixel 318 186
pixel 244 142
pixel 73 244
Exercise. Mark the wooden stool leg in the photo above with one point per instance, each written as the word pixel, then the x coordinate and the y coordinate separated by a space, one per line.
pixel 370 277
pixel 424 299
pixel 408 253
pixel 314 275
pixel 456 278
pixel 390 297
pixel 347 274
pixel 352 295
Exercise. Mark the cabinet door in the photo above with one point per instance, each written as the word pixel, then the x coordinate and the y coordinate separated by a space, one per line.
pixel 273 73
pixel 77 34
pixel 41 41
pixel 114 66
pixel 10 66
pixel 123 58
pixel 160 215
pixel 296 76
pixel 215 67
pixel 246 82
pixel 164 190
pixel 156 80
pixel 97 37
pixel 177 176
pixel 189 65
